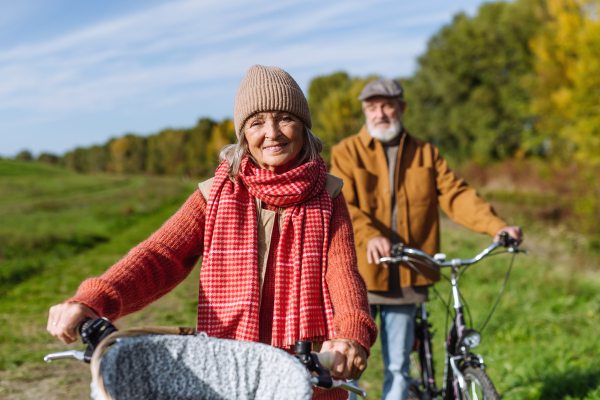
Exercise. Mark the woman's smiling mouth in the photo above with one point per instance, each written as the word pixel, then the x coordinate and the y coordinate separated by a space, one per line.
pixel 275 147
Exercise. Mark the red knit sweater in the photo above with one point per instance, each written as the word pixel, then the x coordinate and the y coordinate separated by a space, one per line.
pixel 157 265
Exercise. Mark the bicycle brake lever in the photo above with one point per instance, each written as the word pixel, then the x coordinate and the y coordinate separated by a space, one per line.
pixel 76 354
pixel 517 250
pixel 303 351
pixel 326 381
pixel 340 384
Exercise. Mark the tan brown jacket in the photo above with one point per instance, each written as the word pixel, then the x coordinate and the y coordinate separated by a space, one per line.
pixel 423 181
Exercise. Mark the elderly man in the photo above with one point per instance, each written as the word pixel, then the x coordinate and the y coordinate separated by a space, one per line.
pixel 393 183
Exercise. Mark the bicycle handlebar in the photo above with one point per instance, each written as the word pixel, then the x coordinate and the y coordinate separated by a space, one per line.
pixel 326 359
pixel 399 253
pixel 94 332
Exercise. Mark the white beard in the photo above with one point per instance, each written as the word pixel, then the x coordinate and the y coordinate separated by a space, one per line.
pixel 385 135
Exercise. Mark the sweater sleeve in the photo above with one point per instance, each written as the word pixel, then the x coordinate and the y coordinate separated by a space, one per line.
pixel 347 289
pixel 151 269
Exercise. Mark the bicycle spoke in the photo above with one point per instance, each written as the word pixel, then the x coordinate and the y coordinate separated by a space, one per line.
pixel 474 389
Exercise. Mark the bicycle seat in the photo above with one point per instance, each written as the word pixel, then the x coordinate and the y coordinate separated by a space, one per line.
pixel 197 367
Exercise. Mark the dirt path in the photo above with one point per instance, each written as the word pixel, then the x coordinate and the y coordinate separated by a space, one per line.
pixel 55 382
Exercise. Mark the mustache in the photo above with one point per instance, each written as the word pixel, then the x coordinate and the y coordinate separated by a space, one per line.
pixel 380 120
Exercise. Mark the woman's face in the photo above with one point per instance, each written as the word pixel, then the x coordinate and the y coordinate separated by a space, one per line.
pixel 275 139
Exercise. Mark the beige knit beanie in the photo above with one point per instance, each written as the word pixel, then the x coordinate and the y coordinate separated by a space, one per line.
pixel 268 89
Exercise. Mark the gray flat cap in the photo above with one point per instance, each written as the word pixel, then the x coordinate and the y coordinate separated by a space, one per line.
pixel 382 87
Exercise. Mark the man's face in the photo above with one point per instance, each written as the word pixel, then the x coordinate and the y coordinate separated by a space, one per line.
pixel 382 111
pixel 384 117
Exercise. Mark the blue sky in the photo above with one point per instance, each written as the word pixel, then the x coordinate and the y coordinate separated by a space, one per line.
pixel 75 73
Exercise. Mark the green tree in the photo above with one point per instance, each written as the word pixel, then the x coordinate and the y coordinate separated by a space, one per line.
pixel 471 94
pixel 24 155
pixel 196 147
pixel 166 152
pixel 320 88
pixel 48 158
pixel 335 109
pixel 98 159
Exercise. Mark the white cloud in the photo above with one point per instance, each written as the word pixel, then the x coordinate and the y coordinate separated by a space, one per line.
pixel 186 41
pixel 174 52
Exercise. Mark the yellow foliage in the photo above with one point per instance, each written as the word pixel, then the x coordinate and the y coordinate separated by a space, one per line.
pixel 567 94
pixel 221 135
pixel 118 149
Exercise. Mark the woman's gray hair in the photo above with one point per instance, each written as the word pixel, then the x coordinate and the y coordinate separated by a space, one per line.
pixel 234 153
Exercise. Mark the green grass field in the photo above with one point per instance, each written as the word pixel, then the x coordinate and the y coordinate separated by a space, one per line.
pixel 58 228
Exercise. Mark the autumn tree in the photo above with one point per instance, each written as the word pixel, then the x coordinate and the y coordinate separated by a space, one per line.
pixel 222 134
pixel 128 154
pixel 567 93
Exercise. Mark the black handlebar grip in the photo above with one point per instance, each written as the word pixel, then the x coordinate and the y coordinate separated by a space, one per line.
pixel 397 250
pixel 84 325
pixel 507 240
pixel 302 347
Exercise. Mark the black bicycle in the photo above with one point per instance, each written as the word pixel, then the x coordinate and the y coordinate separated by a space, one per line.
pixel 464 372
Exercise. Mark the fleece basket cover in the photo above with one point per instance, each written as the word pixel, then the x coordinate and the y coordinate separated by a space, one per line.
pixel 198 367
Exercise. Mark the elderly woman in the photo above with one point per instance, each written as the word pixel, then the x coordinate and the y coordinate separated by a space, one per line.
pixel 279 263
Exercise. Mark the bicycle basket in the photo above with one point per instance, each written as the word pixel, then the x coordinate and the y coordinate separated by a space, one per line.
pixel 198 367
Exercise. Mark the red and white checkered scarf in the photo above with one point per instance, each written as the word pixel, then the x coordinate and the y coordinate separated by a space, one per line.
pixel 228 303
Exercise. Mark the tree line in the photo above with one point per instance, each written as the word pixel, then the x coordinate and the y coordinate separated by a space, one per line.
pixel 186 152
pixel 516 80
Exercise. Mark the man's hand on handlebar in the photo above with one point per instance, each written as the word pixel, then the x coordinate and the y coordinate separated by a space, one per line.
pixel 513 231
pixel 377 248
pixel 65 318
pixel 350 358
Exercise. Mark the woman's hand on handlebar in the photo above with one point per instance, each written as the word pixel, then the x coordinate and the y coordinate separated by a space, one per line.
pixel 64 319
pixel 350 358
pixel 513 231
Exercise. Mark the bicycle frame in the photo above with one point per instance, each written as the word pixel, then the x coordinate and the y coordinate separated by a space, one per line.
pixel 453 359
pixel 424 336
pixel 460 339
pixel 458 352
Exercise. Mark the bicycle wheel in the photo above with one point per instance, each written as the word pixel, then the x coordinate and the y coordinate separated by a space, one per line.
pixel 479 385
pixel 415 384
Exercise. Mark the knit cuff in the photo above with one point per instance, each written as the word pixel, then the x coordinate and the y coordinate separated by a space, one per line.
pixel 100 296
pixel 357 326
